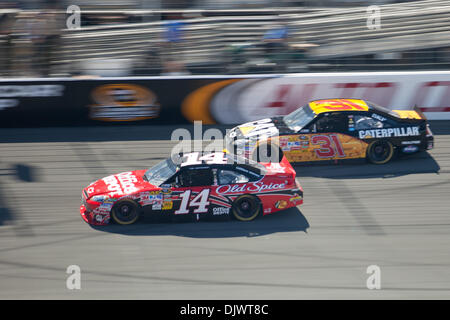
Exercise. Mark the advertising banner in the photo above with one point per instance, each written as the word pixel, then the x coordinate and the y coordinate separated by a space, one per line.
pixel 243 100
pixel 211 99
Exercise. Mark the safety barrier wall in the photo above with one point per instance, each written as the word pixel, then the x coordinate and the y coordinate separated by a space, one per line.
pixel 211 99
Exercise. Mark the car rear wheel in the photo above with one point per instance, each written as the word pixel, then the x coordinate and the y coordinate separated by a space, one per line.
pixel 380 152
pixel 125 212
pixel 246 207
pixel 267 152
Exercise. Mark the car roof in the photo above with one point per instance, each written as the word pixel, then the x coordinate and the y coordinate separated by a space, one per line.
pixel 343 105
pixel 331 105
pixel 184 160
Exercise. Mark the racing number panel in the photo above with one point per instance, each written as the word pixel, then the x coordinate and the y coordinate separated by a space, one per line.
pixel 328 139
pixel 322 146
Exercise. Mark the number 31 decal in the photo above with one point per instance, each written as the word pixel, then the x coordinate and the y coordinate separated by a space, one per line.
pixel 200 201
pixel 330 146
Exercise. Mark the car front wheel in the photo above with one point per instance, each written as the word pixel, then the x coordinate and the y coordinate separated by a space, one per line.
pixel 125 212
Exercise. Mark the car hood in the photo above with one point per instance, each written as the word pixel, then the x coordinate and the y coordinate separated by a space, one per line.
pixel 268 127
pixel 120 184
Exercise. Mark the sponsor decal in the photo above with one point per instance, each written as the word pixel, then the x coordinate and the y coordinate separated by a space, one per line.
pixel 295 198
pixel 121 183
pixel 101 216
pixel 112 185
pixel 300 144
pixel 127 180
pixel 150 198
pixel 410 149
pixel 411 142
pixel 378 117
pixel 170 197
pixel 102 210
pixel 106 206
pixel 167 205
pixel 249 187
pixel 218 211
pixel 275 167
pixel 389 132
pixel 351 123
pixel 123 102
pixel 294 145
pixel 281 204
pixel 156 206
pixel 268 210
pixel 18 91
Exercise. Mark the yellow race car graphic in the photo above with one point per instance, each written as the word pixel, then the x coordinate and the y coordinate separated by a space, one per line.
pixel 320 106
pixel 334 129
pixel 326 146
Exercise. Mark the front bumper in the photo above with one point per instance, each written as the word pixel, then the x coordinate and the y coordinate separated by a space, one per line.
pixel 89 217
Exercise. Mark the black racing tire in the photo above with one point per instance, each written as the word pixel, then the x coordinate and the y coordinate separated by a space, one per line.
pixel 125 212
pixel 263 153
pixel 246 207
pixel 380 152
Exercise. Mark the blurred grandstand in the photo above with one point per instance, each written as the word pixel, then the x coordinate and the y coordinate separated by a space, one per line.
pixel 131 37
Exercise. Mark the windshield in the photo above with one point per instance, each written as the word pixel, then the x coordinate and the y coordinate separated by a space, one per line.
pixel 159 173
pixel 299 118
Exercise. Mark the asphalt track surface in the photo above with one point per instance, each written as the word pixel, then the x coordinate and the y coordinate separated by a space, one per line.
pixel 395 216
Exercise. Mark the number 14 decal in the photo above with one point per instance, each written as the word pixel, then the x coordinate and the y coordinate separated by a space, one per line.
pixel 200 201
pixel 329 146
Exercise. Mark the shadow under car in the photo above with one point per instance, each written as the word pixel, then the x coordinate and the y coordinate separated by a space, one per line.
pixel 289 220
pixel 421 162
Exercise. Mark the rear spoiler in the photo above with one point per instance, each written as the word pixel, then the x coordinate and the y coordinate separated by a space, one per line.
pixel 421 114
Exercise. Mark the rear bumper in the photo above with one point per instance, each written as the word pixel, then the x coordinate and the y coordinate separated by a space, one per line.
pixel 430 140
pixel 430 143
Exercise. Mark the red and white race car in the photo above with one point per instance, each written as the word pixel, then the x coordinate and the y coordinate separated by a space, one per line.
pixel 201 186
